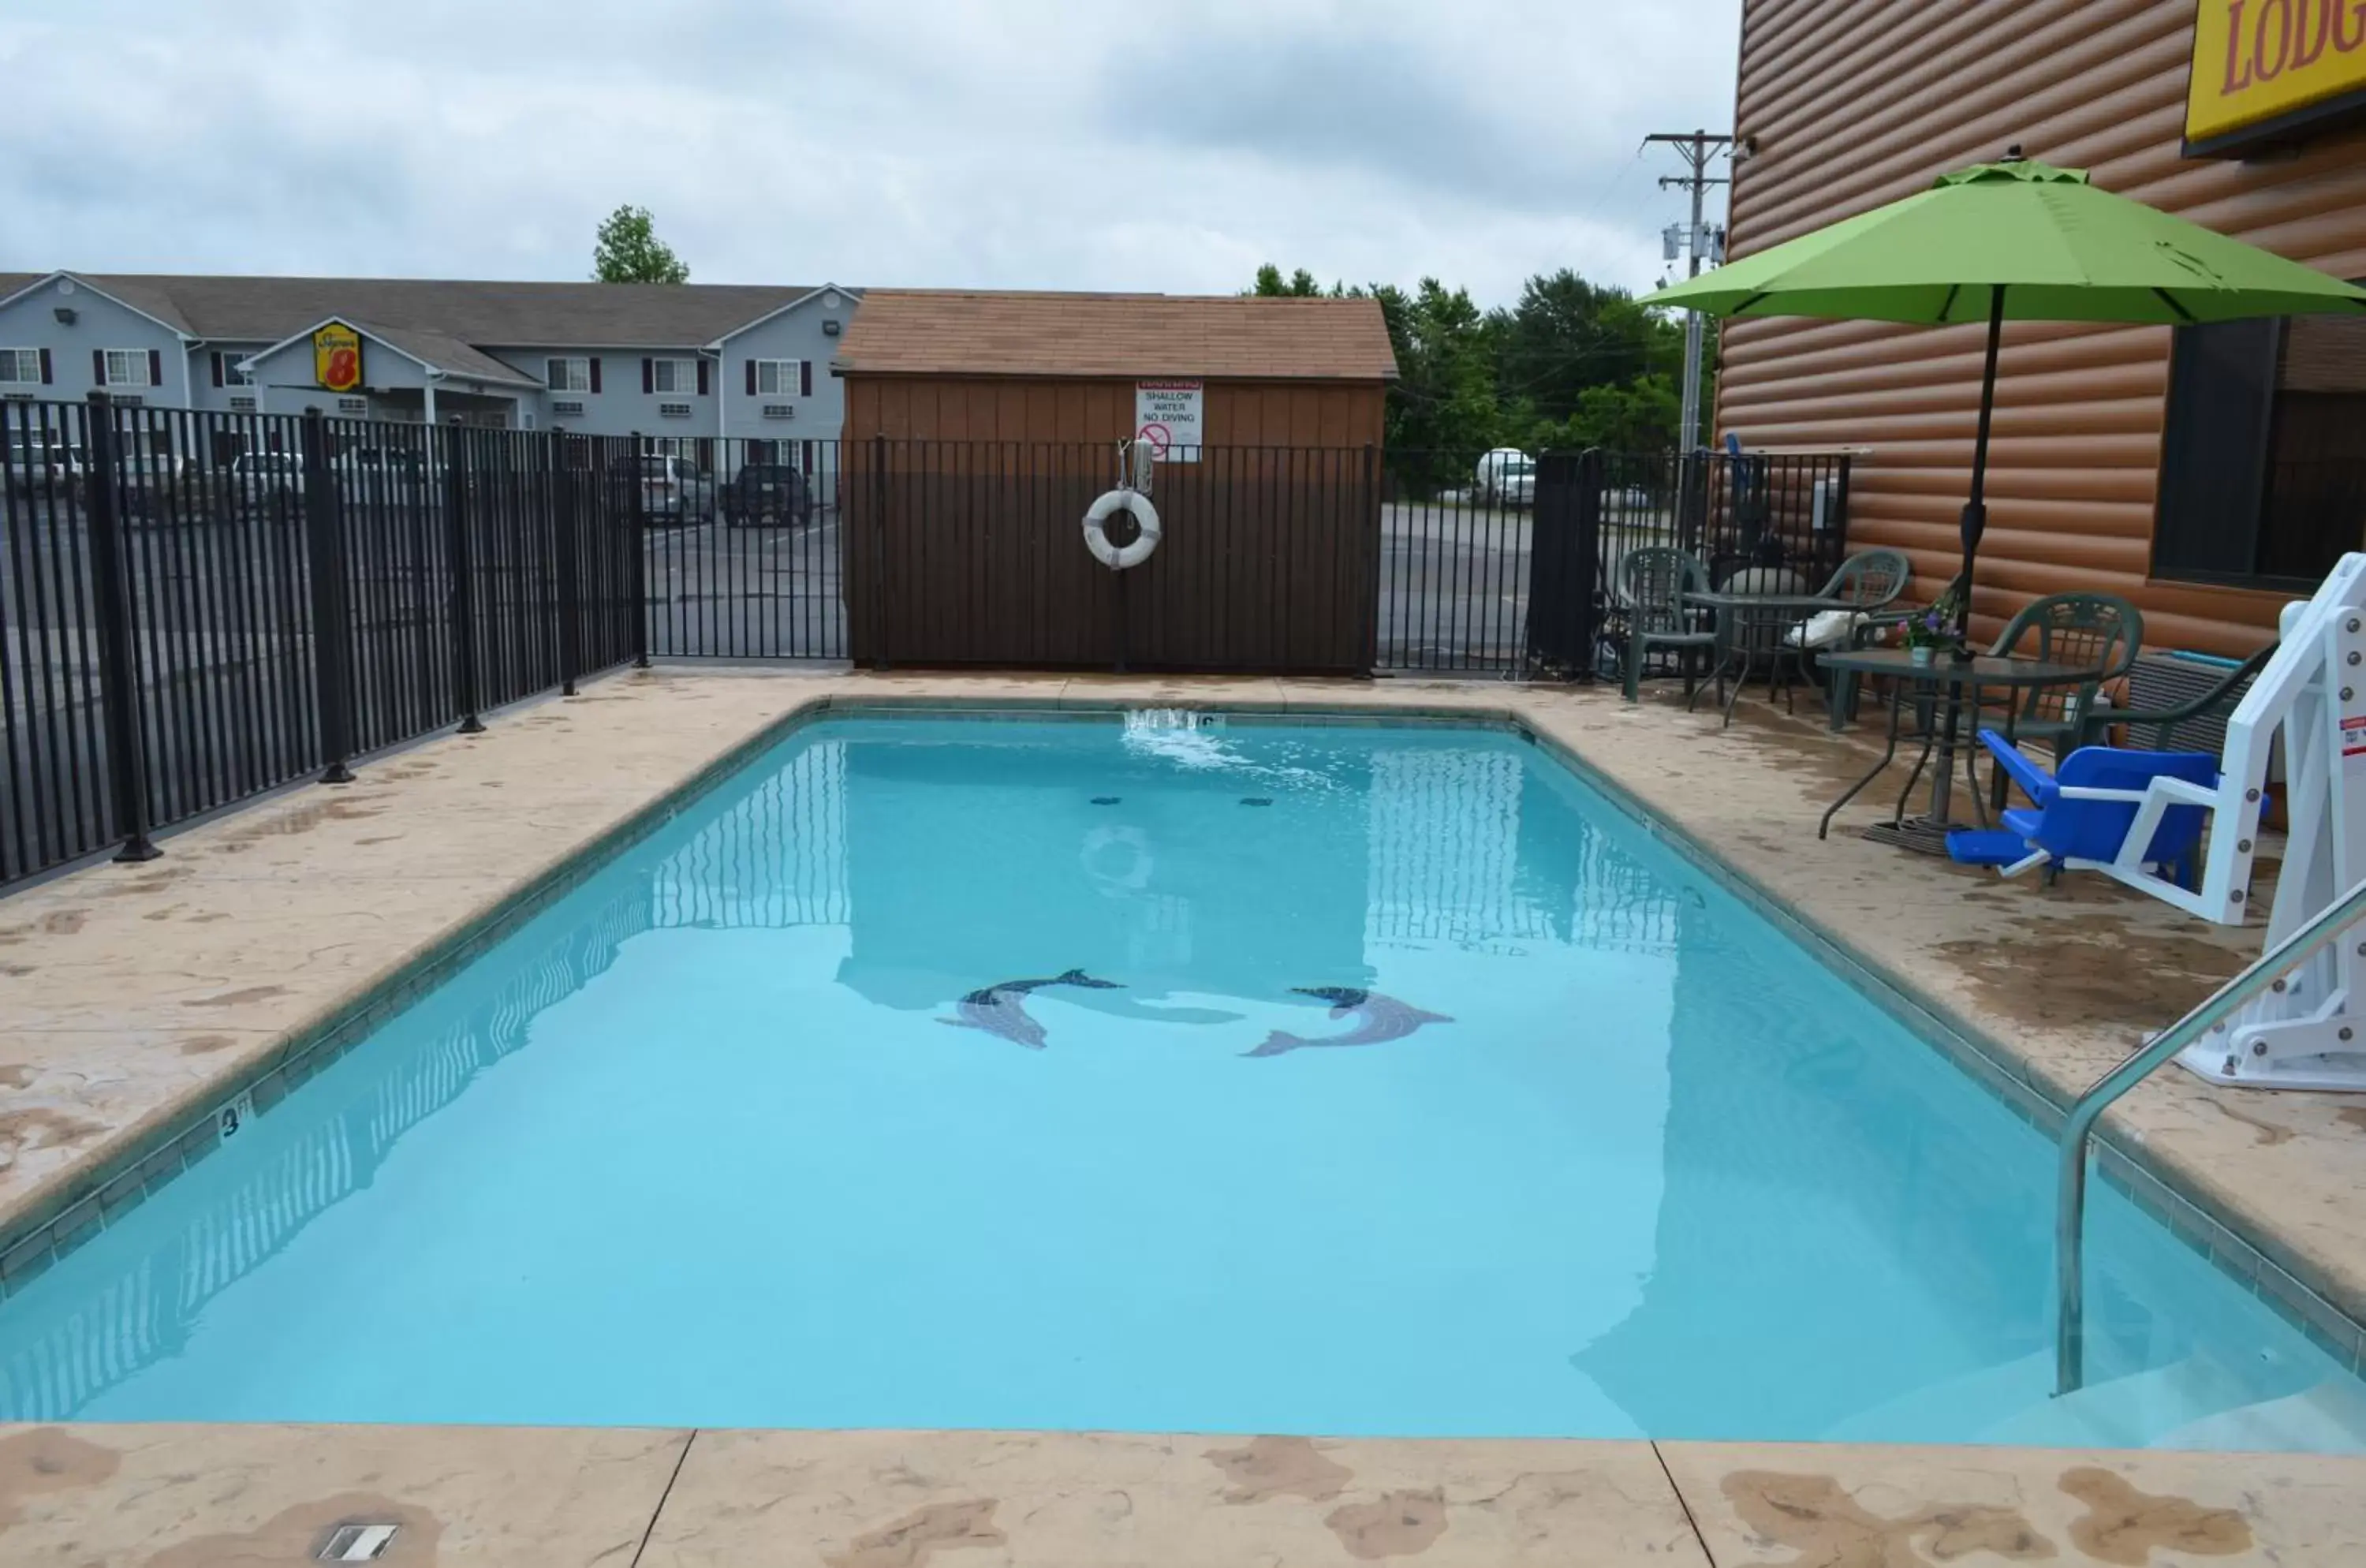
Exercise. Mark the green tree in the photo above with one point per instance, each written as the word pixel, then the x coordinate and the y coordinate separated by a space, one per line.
pixel 1299 285
pixel 627 249
pixel 1572 364
pixel 1567 336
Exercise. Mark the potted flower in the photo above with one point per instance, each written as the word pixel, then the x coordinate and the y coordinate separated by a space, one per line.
pixel 1934 629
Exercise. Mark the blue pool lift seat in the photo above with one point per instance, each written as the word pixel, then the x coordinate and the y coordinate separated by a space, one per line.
pixel 2099 811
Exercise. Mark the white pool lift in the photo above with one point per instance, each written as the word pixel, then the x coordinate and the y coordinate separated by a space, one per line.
pixel 2312 694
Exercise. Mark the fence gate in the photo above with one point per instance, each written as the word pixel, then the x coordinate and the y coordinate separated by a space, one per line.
pixel 1564 564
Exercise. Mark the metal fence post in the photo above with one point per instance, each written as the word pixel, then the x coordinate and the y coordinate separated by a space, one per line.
pixel 1369 502
pixel 118 690
pixel 563 541
pixel 324 548
pixel 464 587
pixel 879 552
pixel 640 563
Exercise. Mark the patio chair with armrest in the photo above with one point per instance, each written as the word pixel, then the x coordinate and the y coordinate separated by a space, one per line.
pixel 2098 811
pixel 2200 718
pixel 1652 582
pixel 2099 631
pixel 1868 585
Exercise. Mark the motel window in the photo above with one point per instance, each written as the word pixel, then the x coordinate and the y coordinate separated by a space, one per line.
pixel 779 379
pixel 2263 467
pixel 126 367
pixel 22 366
pixel 570 374
pixel 677 377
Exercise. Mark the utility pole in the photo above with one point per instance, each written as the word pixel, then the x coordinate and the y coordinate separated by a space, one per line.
pixel 1696 148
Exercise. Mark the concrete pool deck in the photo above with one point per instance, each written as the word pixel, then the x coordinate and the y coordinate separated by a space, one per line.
pixel 172 1496
pixel 134 1000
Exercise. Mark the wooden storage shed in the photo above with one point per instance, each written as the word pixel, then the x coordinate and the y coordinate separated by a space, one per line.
pixel 980 426
pixel 2209 474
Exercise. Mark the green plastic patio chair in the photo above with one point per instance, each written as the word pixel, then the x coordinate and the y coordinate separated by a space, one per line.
pixel 2098 630
pixel 2197 723
pixel 1652 583
pixel 1870 583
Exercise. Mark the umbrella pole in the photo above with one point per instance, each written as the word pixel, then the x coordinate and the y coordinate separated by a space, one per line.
pixel 1975 518
pixel 1976 511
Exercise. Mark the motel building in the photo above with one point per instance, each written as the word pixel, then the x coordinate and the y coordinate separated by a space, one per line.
pixel 700 371
pixel 2208 473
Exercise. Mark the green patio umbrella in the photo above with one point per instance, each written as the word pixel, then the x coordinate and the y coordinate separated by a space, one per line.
pixel 2016 239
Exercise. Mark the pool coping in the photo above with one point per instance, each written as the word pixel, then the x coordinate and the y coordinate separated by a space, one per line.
pixel 48 1225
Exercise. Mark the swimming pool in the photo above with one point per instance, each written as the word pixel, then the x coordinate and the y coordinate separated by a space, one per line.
pixel 1151 1076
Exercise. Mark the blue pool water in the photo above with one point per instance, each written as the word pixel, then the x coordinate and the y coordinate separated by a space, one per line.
pixel 697 1143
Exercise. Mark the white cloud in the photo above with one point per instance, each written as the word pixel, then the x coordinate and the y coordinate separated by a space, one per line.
pixel 1030 143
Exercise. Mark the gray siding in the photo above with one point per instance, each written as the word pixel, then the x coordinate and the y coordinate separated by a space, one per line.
pixel 31 321
pixel 620 407
pixel 793 334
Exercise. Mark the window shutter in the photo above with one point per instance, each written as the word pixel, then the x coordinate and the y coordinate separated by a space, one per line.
pixel 804 378
pixel 702 378
pixel 156 367
pixel 98 366
pixel 45 368
pixel 648 375
pixel 595 372
pixel 751 377
pixel 218 367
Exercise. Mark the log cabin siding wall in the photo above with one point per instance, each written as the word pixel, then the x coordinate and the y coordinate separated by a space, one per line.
pixel 1854 103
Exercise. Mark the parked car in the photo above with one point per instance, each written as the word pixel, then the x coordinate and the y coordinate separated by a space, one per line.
pixel 767 492
pixel 152 486
pixel 1506 477
pixel 675 489
pixel 37 466
pixel 389 465
pixel 268 482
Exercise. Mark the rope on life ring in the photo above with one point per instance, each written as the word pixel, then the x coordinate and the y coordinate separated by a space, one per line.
pixel 1145 517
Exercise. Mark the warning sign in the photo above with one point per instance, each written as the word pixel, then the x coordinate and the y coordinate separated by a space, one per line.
pixel 2353 738
pixel 1166 415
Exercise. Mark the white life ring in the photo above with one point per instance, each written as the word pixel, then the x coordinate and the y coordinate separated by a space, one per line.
pixel 1145 516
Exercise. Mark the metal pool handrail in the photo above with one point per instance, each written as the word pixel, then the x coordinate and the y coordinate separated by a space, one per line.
pixel 2069 1320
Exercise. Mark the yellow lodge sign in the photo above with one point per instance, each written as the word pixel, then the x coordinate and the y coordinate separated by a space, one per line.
pixel 2261 67
pixel 337 358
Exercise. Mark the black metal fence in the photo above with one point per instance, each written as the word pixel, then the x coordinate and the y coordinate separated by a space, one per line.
pixel 197 607
pixel 1496 563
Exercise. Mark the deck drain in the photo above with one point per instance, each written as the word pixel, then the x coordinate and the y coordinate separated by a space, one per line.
pixel 1105 800
pixel 1256 800
pixel 359 1543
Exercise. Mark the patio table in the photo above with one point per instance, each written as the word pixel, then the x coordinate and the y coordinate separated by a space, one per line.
pixel 1961 679
pixel 1796 608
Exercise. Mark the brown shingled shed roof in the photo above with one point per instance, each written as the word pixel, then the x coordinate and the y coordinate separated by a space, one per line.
pixel 916 332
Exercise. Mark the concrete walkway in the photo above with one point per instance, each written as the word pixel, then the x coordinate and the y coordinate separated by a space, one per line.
pixel 554 1498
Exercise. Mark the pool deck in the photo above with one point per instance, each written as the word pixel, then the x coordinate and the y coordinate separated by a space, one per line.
pixel 135 1000
pixel 552 1498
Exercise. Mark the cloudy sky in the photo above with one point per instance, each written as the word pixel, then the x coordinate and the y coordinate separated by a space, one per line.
pixel 1014 143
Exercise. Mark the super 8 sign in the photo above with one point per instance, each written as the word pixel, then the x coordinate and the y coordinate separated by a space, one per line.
pixel 337 358
pixel 2262 66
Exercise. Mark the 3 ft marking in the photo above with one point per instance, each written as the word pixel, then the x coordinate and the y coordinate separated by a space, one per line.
pixel 231 1118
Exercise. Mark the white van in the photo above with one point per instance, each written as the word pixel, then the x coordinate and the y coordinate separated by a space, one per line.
pixel 1506 477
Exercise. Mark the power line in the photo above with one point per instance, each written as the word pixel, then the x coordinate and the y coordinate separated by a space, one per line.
pixel 1696 148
